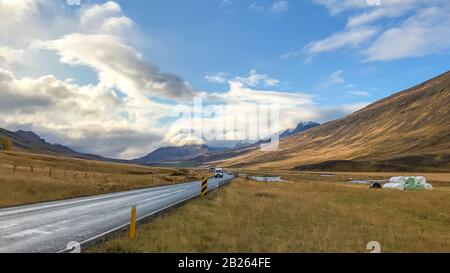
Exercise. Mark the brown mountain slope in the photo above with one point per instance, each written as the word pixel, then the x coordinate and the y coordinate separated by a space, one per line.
pixel 406 131
pixel 28 141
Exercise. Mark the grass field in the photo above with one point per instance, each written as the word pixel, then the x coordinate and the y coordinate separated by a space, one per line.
pixel 307 213
pixel 37 178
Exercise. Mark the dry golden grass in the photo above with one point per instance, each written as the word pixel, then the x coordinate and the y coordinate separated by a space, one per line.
pixel 301 216
pixel 32 181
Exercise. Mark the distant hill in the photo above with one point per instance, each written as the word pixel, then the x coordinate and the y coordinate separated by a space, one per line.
pixel 203 154
pixel 408 131
pixel 30 142
pixel 301 127
pixel 176 155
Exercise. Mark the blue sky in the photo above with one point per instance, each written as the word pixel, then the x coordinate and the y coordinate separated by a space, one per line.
pixel 197 38
pixel 108 77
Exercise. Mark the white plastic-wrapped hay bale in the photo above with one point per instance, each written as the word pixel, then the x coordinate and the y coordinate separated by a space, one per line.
pixel 398 180
pixel 266 179
pixel 408 183
pixel 421 180
pixel 396 186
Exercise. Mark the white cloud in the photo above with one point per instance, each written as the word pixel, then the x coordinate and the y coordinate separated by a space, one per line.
pixel 239 92
pixel 70 113
pixel 366 18
pixel 386 30
pixel 225 3
pixel 18 15
pixel 425 33
pixel 279 7
pixel 220 77
pixel 9 56
pixel 116 111
pixel 236 113
pixel 255 79
pixel 333 79
pixel 360 93
pixel 336 77
pixel 337 6
pixel 350 38
pixel 119 65
pixel 275 8
pixel 291 54
pixel 105 18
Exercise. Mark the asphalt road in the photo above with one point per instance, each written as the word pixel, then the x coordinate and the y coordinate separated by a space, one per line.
pixel 49 227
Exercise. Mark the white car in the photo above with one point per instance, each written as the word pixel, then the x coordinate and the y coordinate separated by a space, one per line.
pixel 218 173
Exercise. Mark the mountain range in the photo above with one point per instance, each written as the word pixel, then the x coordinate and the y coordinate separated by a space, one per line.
pixel 203 154
pixel 188 155
pixel 30 142
pixel 408 131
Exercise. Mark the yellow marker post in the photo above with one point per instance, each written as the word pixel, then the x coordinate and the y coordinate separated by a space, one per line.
pixel 133 223
pixel 204 186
